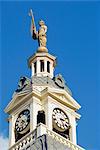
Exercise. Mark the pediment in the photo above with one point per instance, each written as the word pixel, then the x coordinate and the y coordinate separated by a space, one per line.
pixel 18 98
pixel 23 90
pixel 63 97
pixel 24 95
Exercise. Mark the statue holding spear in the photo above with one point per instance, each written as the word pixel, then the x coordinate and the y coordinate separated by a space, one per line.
pixel 39 35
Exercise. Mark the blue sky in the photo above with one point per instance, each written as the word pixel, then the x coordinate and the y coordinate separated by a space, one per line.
pixel 73 36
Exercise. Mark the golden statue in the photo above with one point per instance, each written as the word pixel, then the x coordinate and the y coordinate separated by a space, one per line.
pixel 39 35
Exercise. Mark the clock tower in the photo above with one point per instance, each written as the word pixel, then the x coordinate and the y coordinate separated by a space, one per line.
pixel 42 111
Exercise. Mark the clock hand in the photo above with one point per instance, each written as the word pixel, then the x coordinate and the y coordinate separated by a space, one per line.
pixel 62 119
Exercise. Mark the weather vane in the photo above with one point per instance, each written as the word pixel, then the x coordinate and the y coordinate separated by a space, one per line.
pixel 39 35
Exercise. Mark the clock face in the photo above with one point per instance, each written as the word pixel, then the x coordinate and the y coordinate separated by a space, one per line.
pixel 22 122
pixel 60 120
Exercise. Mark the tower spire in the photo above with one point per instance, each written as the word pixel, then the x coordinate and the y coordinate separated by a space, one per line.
pixel 42 63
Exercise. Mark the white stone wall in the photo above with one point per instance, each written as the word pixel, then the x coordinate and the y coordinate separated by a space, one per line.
pixel 49 106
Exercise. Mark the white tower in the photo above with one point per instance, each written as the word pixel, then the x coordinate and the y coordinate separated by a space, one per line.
pixel 42 112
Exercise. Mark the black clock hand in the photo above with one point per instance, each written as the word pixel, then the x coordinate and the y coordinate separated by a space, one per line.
pixel 62 119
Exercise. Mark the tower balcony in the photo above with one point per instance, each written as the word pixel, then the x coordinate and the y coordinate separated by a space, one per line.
pixel 44 139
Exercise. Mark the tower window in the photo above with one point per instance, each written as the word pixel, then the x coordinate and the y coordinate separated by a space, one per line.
pixel 41 65
pixel 48 66
pixel 41 117
pixel 35 67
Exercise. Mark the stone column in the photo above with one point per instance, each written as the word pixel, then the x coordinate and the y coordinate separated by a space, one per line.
pixel 51 69
pixel 32 69
pixel 45 66
pixel 34 108
pixel 11 131
pixel 49 114
pixel 38 67
pixel 73 130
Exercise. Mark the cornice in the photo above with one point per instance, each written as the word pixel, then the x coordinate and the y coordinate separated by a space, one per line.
pixel 68 98
pixel 33 57
pixel 21 98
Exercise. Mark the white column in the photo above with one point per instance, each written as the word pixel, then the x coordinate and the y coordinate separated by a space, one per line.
pixel 34 108
pixel 51 70
pixel 11 131
pixel 33 115
pixel 32 69
pixel 49 115
pixel 45 66
pixel 73 130
pixel 38 67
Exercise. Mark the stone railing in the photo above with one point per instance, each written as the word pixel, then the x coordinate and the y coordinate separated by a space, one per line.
pixel 42 130
pixel 25 141
pixel 64 141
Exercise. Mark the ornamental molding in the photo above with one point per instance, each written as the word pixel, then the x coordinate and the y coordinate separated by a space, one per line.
pixel 34 57
pixel 58 94
pixel 17 101
pixel 65 98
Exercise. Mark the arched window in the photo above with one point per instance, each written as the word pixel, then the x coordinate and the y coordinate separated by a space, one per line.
pixel 41 117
